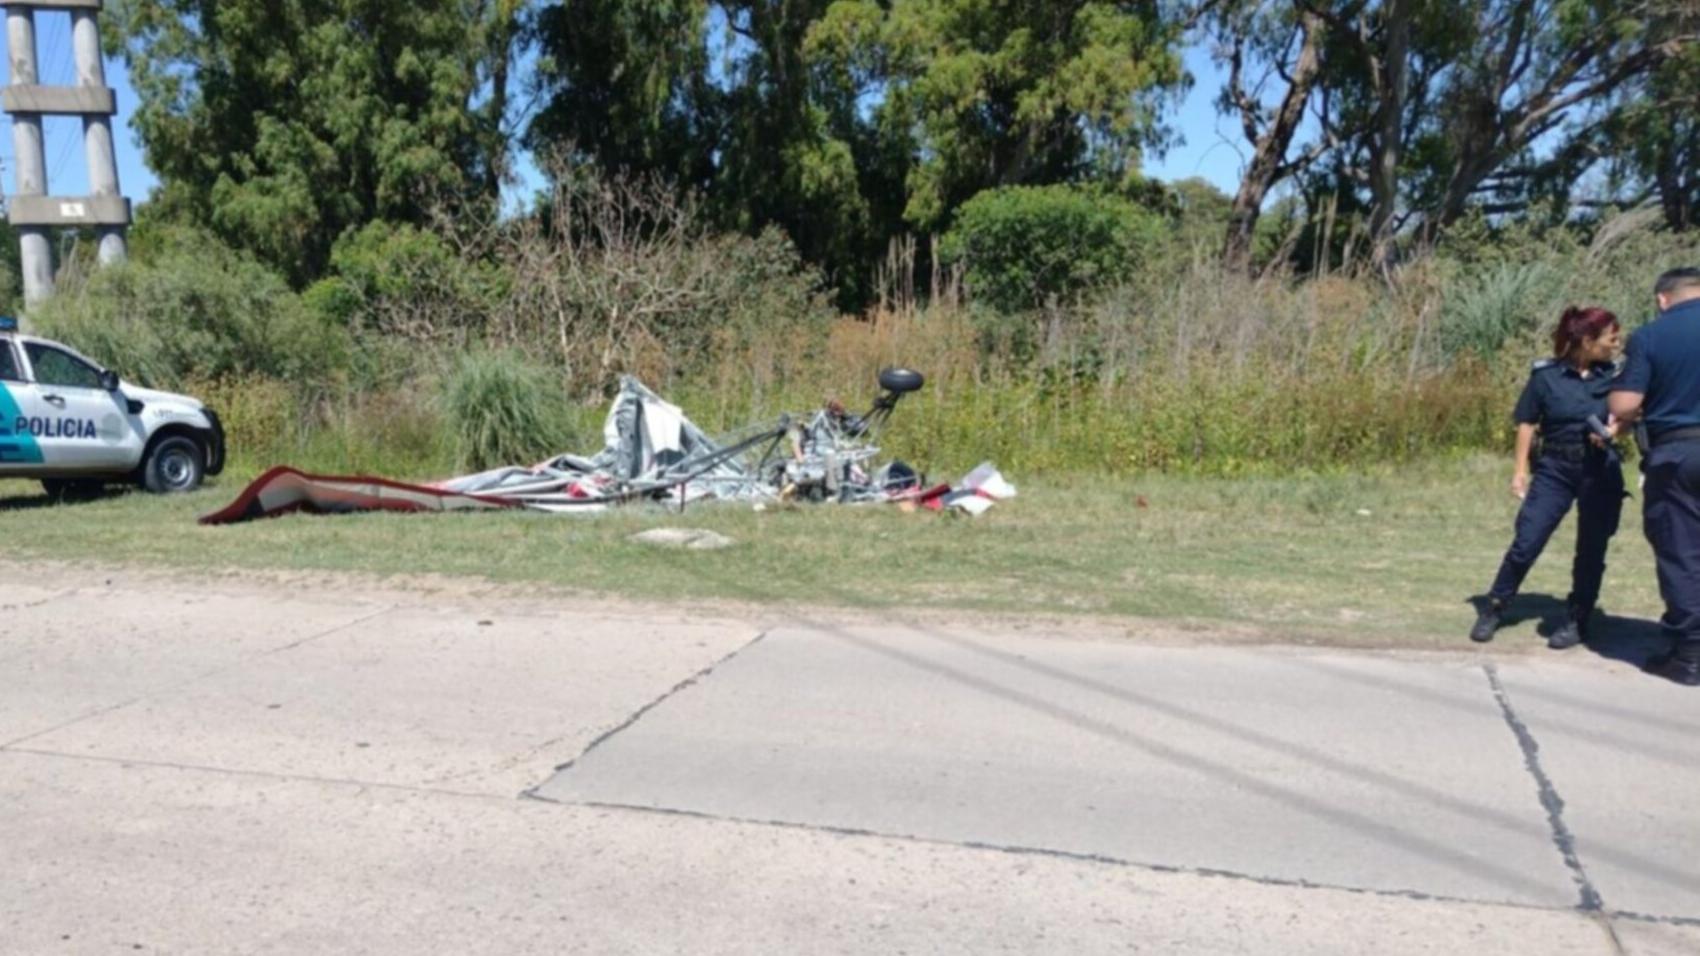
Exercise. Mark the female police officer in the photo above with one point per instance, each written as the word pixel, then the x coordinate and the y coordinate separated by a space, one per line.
pixel 1574 466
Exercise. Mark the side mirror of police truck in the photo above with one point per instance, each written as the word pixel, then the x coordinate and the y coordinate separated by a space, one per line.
pixel 109 380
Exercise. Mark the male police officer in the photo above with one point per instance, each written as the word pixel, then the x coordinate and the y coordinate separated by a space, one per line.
pixel 1660 385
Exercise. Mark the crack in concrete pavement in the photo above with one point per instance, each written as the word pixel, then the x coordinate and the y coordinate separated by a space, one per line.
pixel 1589 898
pixel 1562 838
pixel 26 605
pixel 514 761
pixel 259 774
pixel 1656 920
pixel 605 736
pixel 1105 860
pixel 242 661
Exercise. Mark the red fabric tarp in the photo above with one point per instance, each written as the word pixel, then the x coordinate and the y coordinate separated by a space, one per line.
pixel 285 490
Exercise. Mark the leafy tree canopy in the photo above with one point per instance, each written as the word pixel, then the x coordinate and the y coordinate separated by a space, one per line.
pixel 992 94
pixel 281 123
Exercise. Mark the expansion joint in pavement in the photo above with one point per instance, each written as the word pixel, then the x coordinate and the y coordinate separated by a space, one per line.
pixel 637 715
pixel 1070 856
pixel 292 645
pixel 248 773
pixel 1656 920
pixel 1589 900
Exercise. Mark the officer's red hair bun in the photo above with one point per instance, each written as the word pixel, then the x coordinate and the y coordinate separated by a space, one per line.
pixel 1578 325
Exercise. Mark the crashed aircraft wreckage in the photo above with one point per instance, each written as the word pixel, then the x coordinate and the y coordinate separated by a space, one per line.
pixel 653 453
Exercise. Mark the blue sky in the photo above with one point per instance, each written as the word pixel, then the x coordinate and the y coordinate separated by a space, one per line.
pixel 1211 145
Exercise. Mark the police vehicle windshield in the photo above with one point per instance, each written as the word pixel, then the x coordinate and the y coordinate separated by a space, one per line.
pixel 8 364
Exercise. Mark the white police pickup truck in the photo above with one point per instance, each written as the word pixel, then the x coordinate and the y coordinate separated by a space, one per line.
pixel 75 426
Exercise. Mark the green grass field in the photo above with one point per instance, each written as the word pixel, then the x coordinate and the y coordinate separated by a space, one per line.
pixel 1388 558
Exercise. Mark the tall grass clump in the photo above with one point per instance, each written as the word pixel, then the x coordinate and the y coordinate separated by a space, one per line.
pixel 1498 304
pixel 500 408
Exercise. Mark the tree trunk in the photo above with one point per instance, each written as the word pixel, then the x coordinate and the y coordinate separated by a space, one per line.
pixel 1271 148
pixel 1384 168
pixel 1674 179
pixel 502 29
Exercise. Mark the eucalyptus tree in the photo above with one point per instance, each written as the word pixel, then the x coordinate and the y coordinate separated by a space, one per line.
pixel 280 124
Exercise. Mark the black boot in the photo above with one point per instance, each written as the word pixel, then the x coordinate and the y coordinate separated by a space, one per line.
pixel 1574 630
pixel 1487 621
pixel 1677 666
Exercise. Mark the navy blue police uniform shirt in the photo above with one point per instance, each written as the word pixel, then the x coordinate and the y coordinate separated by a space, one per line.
pixel 1662 362
pixel 1559 400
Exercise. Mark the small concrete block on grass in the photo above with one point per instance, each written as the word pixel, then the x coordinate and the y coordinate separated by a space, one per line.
pixel 688 539
pixel 1353 771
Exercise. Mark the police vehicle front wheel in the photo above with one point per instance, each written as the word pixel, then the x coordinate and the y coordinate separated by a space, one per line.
pixel 174 464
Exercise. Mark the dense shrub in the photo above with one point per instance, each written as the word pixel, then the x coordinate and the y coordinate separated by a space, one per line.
pixel 189 307
pixel 1024 245
pixel 405 281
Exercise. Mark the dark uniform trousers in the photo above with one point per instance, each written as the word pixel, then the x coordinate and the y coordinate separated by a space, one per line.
pixel 1671 518
pixel 1594 484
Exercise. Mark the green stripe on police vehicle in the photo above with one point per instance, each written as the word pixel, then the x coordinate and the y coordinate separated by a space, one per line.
pixel 17 445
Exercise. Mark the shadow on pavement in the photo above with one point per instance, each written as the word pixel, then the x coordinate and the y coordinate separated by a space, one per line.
pixel 1631 640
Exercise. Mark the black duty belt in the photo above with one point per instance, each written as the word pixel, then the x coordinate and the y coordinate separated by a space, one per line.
pixel 1676 435
pixel 1567 452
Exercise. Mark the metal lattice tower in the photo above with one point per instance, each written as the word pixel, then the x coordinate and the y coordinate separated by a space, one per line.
pixel 31 210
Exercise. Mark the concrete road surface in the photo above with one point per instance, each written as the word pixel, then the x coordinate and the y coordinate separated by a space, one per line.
pixel 313 765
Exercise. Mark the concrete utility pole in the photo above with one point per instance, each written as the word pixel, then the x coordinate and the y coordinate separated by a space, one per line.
pixel 32 211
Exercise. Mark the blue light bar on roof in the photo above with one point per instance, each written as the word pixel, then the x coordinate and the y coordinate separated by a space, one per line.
pixel 8 324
